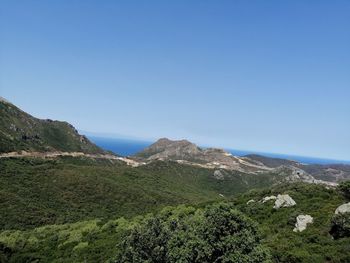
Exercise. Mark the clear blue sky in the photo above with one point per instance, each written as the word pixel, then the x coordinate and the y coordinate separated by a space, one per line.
pixel 270 76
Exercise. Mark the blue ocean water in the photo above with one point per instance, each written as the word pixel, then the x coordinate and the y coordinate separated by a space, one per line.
pixel 124 147
pixel 127 147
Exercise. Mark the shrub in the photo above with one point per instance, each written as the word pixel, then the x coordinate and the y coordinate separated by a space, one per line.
pixel 340 226
pixel 5 253
pixel 345 188
pixel 217 233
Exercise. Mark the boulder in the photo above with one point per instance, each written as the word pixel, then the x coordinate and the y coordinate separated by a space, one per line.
pixel 345 208
pixel 218 175
pixel 268 198
pixel 302 221
pixel 284 201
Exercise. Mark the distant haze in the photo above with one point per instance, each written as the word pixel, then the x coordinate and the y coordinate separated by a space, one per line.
pixel 266 76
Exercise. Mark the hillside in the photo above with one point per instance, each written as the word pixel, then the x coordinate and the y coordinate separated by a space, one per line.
pixel 271 162
pixel 21 131
pixel 66 200
pixel 36 191
pixel 184 151
pixel 326 172
pixel 99 241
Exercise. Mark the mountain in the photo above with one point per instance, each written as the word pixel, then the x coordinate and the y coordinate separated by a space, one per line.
pixel 183 151
pixel 76 206
pixel 20 131
pixel 271 162
pixel 326 172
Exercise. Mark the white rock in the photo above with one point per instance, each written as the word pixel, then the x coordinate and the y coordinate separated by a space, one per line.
pixel 268 198
pixel 284 201
pixel 302 221
pixel 345 208
pixel 250 201
pixel 218 175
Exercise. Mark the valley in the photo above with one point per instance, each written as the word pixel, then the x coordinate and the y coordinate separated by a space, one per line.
pixel 64 199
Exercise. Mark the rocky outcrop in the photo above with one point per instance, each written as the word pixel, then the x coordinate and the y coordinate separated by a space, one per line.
pixel 342 209
pixel 284 201
pixel 218 175
pixel 302 221
pixel 268 198
pixel 250 201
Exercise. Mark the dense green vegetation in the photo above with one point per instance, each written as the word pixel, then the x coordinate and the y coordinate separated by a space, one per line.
pixel 37 192
pixel 217 233
pixel 21 131
pixel 315 244
pixel 102 241
pixel 97 210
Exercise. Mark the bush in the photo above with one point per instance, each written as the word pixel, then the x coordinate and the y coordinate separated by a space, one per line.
pixel 217 233
pixel 345 188
pixel 5 253
pixel 340 226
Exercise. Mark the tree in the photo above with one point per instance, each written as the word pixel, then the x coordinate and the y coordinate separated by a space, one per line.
pixel 340 225
pixel 217 233
pixel 345 188
pixel 5 253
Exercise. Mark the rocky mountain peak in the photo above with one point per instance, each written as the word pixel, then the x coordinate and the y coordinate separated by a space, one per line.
pixel 4 100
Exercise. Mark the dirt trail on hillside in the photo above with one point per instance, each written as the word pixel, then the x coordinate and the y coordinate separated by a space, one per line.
pixel 71 154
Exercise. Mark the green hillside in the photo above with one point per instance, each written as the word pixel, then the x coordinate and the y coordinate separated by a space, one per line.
pixel 36 192
pixel 99 241
pixel 79 209
pixel 21 131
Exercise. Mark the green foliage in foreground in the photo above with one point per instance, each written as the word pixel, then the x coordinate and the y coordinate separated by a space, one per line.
pixel 315 244
pixel 98 241
pixel 37 192
pixel 217 233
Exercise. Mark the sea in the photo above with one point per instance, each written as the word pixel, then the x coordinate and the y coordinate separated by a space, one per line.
pixel 127 147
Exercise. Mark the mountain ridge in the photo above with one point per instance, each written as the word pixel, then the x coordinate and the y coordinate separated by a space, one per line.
pixel 183 151
pixel 21 131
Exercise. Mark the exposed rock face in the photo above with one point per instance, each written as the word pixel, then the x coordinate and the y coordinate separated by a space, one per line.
pixel 268 198
pixel 320 173
pixel 295 174
pixel 218 175
pixel 302 221
pixel 345 208
pixel 284 201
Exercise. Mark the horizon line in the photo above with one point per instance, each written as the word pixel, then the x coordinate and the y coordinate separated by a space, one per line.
pixel 258 152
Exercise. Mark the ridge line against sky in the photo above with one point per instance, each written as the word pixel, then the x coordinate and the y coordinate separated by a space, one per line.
pixel 133 141
pixel 266 75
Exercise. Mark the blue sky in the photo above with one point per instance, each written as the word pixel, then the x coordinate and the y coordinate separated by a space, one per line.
pixel 271 76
